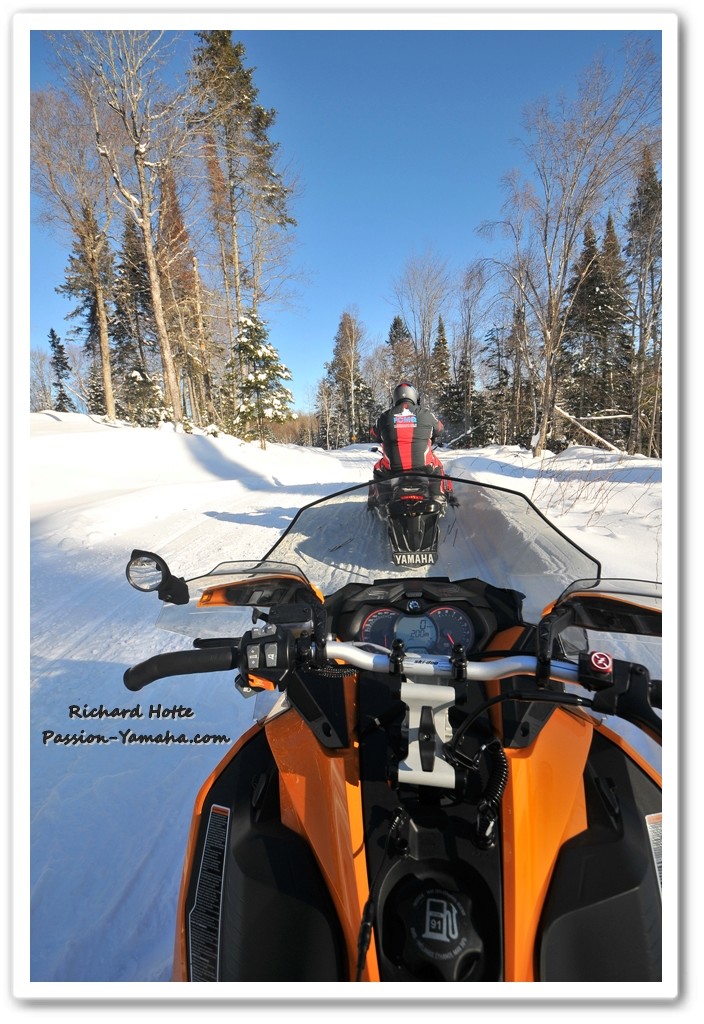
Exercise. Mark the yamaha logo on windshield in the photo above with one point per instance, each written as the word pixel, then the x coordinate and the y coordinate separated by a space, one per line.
pixel 414 558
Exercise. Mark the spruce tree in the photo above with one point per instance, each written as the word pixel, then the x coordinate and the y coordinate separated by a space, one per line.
pixel 62 372
pixel 493 406
pixel 262 398
pixel 248 197
pixel 133 326
pixel 402 352
pixel 617 356
pixel 578 366
pixel 439 397
pixel 135 347
pixel 458 412
pixel 95 395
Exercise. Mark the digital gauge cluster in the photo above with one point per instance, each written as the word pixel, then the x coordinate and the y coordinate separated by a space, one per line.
pixel 433 632
pixel 430 615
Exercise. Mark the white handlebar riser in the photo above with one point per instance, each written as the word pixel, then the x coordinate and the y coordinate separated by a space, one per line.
pixel 416 697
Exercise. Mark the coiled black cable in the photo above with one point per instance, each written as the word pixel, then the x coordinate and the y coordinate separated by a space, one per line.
pixel 488 806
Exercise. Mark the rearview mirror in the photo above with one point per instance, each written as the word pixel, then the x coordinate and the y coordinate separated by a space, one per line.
pixel 147 572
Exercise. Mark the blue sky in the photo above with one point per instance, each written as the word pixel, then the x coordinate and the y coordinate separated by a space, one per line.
pixel 400 139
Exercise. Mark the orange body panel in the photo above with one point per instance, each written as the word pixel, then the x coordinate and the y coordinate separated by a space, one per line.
pixel 180 972
pixel 543 807
pixel 313 779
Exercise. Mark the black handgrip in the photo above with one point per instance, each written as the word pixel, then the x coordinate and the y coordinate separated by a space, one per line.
pixel 656 693
pixel 180 663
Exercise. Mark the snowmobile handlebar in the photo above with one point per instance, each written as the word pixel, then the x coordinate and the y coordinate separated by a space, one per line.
pixel 224 658
pixel 253 653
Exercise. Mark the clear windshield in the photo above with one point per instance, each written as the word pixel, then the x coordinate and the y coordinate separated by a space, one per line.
pixel 492 534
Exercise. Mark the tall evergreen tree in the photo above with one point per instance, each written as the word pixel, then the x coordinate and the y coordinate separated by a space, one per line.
pixel 459 409
pixel 494 422
pixel 94 393
pixel 133 327
pixel 263 399
pixel 351 394
pixel 402 360
pixel 249 199
pixel 89 279
pixel 439 397
pixel 594 364
pixel 135 346
pixel 617 367
pixel 398 332
pixel 62 372
pixel 579 367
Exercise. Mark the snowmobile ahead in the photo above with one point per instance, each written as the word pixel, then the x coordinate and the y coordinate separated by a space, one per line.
pixel 453 771
pixel 411 506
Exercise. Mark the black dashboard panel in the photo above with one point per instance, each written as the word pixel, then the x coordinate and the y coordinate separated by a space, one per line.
pixel 430 615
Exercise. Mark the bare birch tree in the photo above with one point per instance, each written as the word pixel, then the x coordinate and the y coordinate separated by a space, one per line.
pixel 40 397
pixel 70 179
pixel 422 293
pixel 120 72
pixel 581 155
pixel 465 344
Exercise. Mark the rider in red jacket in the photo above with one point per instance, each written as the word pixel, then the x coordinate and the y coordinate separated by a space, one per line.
pixel 407 433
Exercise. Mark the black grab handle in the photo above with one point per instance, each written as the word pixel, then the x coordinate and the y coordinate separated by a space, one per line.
pixel 180 663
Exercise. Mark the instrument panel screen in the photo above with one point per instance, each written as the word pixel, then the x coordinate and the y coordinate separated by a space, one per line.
pixel 435 631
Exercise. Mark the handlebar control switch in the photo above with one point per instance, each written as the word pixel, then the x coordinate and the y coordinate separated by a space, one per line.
pixel 596 670
pixel 266 652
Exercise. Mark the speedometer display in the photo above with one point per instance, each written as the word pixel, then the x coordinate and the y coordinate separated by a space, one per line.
pixel 453 627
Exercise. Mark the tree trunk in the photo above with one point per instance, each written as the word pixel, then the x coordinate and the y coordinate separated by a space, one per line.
pixel 171 388
pixel 103 335
pixel 207 387
pixel 590 433
pixel 104 341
